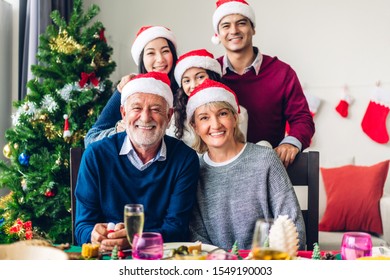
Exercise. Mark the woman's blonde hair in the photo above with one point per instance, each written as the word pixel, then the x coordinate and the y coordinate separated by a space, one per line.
pixel 199 145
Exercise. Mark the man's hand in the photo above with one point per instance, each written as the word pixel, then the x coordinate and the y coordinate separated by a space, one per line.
pixel 108 240
pixel 124 81
pixel 286 153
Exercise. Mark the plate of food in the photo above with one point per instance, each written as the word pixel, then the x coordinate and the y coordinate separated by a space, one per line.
pixel 188 250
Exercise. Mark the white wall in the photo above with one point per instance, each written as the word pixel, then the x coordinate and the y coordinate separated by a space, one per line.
pixel 329 43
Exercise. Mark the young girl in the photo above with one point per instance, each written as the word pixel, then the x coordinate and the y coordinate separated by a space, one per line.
pixel 192 68
pixel 154 49
pixel 239 182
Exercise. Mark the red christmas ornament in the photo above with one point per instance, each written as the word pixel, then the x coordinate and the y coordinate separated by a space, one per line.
pixel 20 227
pixel 49 193
pixel 121 255
pixel 101 35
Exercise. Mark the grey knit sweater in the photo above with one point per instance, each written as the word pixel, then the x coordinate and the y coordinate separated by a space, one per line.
pixel 232 197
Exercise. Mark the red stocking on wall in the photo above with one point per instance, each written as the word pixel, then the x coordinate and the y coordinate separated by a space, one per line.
pixel 374 120
pixel 345 101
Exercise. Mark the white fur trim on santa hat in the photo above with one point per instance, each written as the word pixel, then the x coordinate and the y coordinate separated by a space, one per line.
pixel 233 7
pixel 215 39
pixel 148 35
pixel 147 85
pixel 207 95
pixel 204 62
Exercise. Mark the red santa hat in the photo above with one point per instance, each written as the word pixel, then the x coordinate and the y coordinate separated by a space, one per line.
pixel 229 7
pixel 197 58
pixel 147 34
pixel 210 91
pixel 153 83
pixel 67 132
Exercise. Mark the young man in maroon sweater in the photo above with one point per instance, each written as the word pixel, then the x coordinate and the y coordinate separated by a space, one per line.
pixel 267 87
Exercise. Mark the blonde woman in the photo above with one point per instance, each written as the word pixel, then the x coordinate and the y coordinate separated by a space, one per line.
pixel 240 182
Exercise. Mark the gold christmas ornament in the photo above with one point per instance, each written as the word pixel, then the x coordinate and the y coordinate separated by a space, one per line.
pixel 23 184
pixel 7 151
pixel 90 112
pixel 58 161
pixel 43 117
pixel 51 132
pixel 16 146
pixel 64 43
pixel 99 61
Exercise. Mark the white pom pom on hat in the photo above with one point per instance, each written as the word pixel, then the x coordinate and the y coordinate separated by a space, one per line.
pixel 200 58
pixel 146 34
pixel 229 7
pixel 210 91
pixel 152 83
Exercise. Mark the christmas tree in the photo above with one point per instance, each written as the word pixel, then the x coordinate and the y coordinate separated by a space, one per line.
pixel 70 88
pixel 316 255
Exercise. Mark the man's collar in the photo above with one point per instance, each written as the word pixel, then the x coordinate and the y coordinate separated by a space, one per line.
pixel 127 147
pixel 256 64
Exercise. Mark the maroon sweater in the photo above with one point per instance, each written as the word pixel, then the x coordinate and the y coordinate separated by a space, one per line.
pixel 272 97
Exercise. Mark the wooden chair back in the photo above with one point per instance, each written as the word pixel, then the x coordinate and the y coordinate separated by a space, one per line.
pixel 304 171
pixel 75 159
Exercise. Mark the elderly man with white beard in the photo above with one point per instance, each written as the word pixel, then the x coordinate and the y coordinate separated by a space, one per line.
pixel 139 166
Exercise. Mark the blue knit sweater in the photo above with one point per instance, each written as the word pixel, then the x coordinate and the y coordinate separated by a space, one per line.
pixel 105 124
pixel 107 181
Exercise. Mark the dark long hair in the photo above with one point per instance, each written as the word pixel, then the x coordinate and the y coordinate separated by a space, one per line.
pixel 142 69
pixel 180 105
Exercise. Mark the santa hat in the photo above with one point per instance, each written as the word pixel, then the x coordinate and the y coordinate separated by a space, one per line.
pixel 147 34
pixel 67 132
pixel 210 91
pixel 153 83
pixel 197 58
pixel 229 7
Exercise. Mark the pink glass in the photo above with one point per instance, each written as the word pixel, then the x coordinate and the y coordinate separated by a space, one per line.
pixel 148 246
pixel 356 245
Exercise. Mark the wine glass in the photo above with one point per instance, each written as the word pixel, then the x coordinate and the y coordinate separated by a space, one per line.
pixel 260 243
pixel 355 245
pixel 148 246
pixel 134 220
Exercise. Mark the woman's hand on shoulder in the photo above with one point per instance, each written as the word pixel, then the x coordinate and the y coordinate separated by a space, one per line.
pixel 124 81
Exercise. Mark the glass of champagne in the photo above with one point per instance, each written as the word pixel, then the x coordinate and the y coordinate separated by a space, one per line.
pixel 134 220
pixel 260 243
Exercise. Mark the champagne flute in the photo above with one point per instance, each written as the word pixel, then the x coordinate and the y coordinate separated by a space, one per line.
pixel 260 243
pixel 134 220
